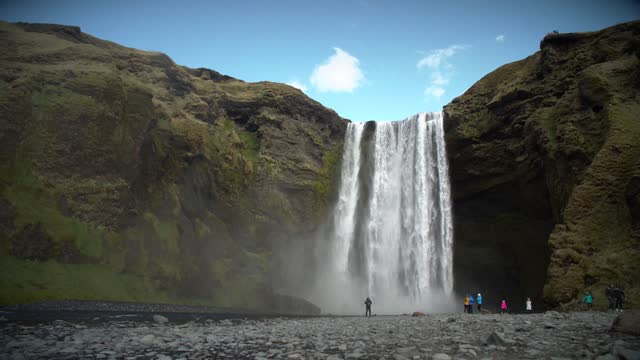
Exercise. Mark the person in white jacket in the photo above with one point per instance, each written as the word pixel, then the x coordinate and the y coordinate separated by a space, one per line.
pixel 529 304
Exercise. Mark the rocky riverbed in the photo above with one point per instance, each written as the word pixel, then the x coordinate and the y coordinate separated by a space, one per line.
pixel 449 336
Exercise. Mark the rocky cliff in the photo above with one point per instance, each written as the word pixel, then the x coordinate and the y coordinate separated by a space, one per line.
pixel 124 176
pixel 545 168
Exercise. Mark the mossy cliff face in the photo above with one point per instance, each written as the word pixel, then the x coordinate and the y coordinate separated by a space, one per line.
pixel 124 176
pixel 545 168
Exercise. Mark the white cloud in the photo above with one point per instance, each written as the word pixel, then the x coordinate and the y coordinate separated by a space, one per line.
pixel 298 85
pixel 435 91
pixel 339 73
pixel 500 38
pixel 440 69
pixel 438 79
pixel 439 57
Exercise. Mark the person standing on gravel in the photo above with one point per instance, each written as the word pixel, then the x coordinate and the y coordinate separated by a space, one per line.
pixel 479 302
pixel 466 303
pixel 367 304
pixel 618 295
pixel 529 306
pixel 471 301
pixel 588 299
pixel 503 306
pixel 609 293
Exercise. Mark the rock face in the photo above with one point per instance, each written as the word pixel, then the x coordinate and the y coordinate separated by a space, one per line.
pixel 124 176
pixel 545 166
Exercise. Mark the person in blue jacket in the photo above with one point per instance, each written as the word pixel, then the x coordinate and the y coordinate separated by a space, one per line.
pixel 479 302
pixel 588 299
pixel 470 304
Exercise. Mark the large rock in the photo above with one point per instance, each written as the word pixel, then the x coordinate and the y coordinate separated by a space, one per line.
pixel 627 322
pixel 544 161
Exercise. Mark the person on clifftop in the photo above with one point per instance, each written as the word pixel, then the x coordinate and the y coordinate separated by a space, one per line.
pixel 471 301
pixel 479 302
pixel 367 304
pixel 588 299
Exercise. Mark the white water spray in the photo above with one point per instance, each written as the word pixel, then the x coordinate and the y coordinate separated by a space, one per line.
pixel 391 236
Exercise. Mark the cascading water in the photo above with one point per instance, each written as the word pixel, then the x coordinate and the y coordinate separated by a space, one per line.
pixel 391 232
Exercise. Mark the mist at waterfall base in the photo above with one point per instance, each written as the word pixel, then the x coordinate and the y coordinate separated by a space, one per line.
pixel 390 233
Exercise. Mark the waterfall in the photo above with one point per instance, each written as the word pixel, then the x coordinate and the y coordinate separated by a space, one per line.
pixel 391 233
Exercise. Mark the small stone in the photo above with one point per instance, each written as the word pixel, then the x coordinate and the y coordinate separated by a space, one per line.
pixel 354 355
pixel 399 357
pixel 147 339
pixel 342 347
pixel 605 357
pixel 163 357
pixel 498 338
pixel 333 357
pixel 160 319
pixel 441 356
pixel 532 352
pixel 406 350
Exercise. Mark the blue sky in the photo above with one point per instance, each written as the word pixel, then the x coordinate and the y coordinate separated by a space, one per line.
pixel 366 59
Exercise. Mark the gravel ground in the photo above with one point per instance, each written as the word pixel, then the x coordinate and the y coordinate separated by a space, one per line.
pixel 579 335
pixel 91 312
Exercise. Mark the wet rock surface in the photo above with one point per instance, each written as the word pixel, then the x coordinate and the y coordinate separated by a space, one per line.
pixel 583 335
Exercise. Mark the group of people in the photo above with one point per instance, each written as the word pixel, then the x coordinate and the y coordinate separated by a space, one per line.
pixel 468 303
pixel 469 300
pixel 615 295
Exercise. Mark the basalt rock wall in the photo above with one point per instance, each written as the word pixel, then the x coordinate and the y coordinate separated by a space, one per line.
pixel 545 169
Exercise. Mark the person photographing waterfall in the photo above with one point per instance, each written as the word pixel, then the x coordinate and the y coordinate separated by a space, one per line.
pixel 367 304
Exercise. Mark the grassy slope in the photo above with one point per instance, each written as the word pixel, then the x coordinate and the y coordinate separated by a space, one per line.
pixel 142 180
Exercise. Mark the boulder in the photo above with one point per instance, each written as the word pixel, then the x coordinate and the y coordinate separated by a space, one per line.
pixel 627 322
pixel 418 314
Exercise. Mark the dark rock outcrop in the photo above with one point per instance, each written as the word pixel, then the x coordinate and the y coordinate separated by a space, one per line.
pixel 627 322
pixel 127 177
pixel 545 157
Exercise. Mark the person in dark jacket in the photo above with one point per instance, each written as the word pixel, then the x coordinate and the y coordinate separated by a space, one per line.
pixel 368 303
pixel 471 301
pixel 618 295
pixel 610 296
